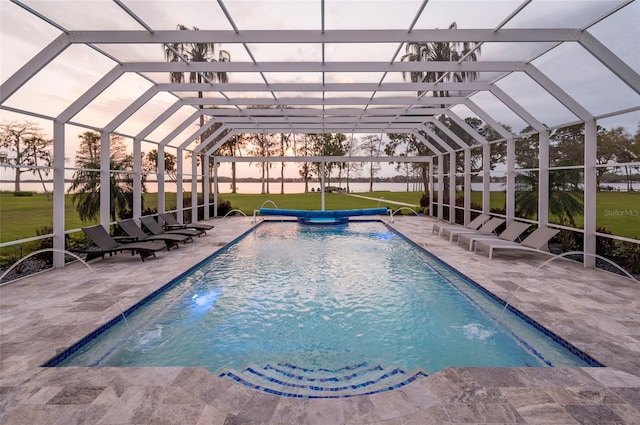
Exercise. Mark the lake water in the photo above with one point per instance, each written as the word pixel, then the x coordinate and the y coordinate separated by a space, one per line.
pixel 292 187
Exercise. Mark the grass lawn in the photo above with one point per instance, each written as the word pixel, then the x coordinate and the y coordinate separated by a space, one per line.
pixel 21 216
pixel 618 212
pixel 312 200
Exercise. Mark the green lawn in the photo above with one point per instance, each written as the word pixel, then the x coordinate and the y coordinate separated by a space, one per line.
pixel 21 216
pixel 312 200
pixel 618 212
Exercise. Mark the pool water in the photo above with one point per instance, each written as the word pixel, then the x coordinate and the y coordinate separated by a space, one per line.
pixel 323 297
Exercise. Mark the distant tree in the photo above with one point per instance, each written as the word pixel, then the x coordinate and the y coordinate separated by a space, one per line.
pixel 86 187
pixel 317 143
pixel 351 144
pixel 262 145
pixel 304 147
pixel 170 162
pixel 566 145
pixel 328 145
pixel 395 148
pixel 233 147
pixel 498 151
pixel 371 146
pixel 627 152
pixel 606 154
pixel 223 150
pixel 338 148
pixel 283 147
pixel 409 144
pixel 527 149
pixel 25 147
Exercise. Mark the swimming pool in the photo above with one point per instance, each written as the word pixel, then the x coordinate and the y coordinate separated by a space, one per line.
pixel 323 299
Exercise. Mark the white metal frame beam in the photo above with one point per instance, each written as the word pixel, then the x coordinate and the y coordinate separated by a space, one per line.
pixel 318 87
pixel 611 61
pixel 31 68
pixel 327 36
pixel 354 66
pixel 309 101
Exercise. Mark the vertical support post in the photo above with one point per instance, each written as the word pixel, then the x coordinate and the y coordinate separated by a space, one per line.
pixel 179 183
pixel 467 186
pixel 452 187
pixel 58 193
pixel 137 179
pixel 215 188
pixel 440 187
pixel 205 186
pixel 160 178
pixel 486 179
pixel 432 188
pixel 105 180
pixel 543 180
pixel 194 188
pixel 590 191
pixel 511 180
pixel 322 186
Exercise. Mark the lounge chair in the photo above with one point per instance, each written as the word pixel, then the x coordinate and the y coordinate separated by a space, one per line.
pixel 155 228
pixel 171 223
pixel 511 233
pixel 132 229
pixel 105 244
pixel 536 241
pixel 487 228
pixel 473 224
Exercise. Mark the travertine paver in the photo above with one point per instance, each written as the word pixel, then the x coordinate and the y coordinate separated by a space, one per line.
pixel 42 315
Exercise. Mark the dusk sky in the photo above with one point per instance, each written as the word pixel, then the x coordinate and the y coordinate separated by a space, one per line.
pixel 54 88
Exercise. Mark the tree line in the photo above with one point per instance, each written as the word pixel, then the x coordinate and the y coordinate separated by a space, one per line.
pixel 25 147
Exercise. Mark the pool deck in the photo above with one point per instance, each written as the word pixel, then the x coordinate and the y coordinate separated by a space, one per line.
pixel 596 311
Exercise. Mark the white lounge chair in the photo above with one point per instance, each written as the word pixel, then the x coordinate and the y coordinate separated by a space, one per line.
pixel 511 233
pixel 487 229
pixel 536 241
pixel 473 224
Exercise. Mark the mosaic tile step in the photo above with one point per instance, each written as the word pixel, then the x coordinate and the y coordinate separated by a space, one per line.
pixel 315 383
pixel 337 377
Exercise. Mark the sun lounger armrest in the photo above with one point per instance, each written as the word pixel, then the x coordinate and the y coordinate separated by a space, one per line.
pixel 125 238
pixel 174 226
pixel 92 252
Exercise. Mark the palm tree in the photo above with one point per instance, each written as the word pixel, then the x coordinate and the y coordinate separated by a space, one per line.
pixel 86 182
pixel 440 51
pixel 565 202
pixel 285 143
pixel 197 52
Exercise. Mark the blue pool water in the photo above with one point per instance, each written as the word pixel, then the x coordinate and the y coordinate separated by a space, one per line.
pixel 323 297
